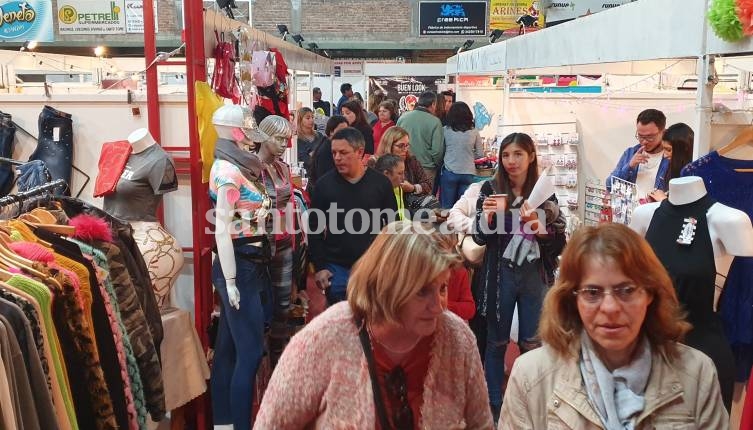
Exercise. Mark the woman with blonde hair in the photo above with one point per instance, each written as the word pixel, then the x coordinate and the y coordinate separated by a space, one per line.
pixel 308 138
pixel 396 141
pixel 611 358
pixel 423 368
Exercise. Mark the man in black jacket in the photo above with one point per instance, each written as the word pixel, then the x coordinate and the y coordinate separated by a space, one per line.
pixel 351 205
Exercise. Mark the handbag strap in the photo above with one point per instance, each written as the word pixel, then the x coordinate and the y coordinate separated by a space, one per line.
pixel 378 400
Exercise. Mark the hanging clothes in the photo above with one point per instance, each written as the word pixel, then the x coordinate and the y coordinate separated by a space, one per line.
pixel 734 189
pixel 206 103
pixel 66 351
pixel 693 272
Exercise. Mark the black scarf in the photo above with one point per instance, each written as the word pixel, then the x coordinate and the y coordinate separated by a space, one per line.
pixel 248 163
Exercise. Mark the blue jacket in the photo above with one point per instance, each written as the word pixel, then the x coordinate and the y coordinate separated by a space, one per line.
pixel 340 102
pixel 624 172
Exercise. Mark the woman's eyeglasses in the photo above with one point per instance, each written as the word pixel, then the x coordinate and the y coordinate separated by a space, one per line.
pixel 397 388
pixel 400 145
pixel 595 295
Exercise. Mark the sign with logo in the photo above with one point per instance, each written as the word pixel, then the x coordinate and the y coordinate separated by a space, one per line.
pixel 458 18
pixel 521 15
pixel 345 68
pixel 91 17
pixel 22 20
pixel 405 89
pixel 559 11
pixel 134 14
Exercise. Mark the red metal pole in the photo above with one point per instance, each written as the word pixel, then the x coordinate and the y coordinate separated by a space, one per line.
pixel 202 241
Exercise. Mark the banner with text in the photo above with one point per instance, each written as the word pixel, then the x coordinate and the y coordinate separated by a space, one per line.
pixel 91 17
pixel 405 89
pixel 345 68
pixel 521 15
pixel 22 20
pixel 560 11
pixel 458 18
pixel 134 14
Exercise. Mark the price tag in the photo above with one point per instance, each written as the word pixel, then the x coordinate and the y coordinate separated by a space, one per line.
pixel 56 134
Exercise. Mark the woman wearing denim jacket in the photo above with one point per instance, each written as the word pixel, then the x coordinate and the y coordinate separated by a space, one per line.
pixel 520 256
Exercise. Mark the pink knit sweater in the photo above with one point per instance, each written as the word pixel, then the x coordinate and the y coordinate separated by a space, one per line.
pixel 322 379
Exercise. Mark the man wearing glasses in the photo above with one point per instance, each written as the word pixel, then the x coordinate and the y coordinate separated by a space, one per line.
pixel 644 163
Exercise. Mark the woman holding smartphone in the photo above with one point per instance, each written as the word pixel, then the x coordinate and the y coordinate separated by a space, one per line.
pixel 522 244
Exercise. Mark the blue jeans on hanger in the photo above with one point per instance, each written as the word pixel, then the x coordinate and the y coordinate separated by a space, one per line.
pixel 55 144
pixel 452 187
pixel 240 339
pixel 7 137
pixel 522 285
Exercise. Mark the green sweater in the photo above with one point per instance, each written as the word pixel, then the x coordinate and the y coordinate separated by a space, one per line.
pixel 426 137
pixel 44 299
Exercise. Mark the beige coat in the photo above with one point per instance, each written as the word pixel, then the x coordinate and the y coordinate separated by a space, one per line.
pixel 546 392
pixel 322 380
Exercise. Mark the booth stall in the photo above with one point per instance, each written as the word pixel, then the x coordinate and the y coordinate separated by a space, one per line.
pixel 638 60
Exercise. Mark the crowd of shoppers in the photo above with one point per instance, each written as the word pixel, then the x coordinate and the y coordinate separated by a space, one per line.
pixel 610 324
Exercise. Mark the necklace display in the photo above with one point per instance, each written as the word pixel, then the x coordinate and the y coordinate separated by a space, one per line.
pixel 394 351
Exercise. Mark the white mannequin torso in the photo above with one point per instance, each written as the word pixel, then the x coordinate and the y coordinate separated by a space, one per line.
pixel 140 140
pixel 730 229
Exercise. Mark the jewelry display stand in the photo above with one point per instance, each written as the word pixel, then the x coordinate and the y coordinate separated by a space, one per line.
pixel 624 200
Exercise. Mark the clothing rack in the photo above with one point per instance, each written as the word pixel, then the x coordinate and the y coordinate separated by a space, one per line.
pixel 34 192
pixel 12 161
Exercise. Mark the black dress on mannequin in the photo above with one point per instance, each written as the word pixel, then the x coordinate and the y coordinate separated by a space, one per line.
pixel 693 272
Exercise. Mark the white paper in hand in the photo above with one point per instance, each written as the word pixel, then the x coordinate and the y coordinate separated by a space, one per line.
pixel 543 189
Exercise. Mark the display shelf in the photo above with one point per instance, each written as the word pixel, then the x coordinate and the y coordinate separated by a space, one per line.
pixel 624 200
pixel 597 208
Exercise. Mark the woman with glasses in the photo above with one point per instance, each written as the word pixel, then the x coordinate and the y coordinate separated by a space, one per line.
pixel 611 359
pixel 389 357
pixel 522 246
pixel 396 141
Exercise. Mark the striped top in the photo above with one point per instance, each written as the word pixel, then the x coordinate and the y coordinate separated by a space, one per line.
pixel 253 201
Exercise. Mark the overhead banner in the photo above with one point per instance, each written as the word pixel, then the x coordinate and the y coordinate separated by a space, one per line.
pixel 22 20
pixel 91 17
pixel 559 11
pixel 405 89
pixel 459 18
pixel 134 15
pixel 521 15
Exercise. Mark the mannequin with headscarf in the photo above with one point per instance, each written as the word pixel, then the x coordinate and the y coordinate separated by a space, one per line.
pixel 248 255
pixel 148 175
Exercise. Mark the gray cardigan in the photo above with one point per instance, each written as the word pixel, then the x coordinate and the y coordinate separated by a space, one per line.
pixel 461 149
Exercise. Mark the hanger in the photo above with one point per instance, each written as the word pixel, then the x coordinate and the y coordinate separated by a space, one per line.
pixel 28 216
pixel 63 230
pixel 44 216
pixel 743 139
pixel 5 276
